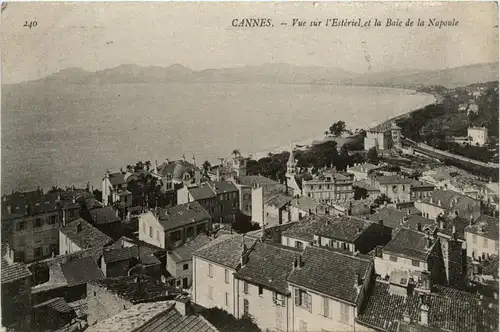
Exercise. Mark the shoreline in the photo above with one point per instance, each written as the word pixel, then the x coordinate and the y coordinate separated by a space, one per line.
pixel 308 141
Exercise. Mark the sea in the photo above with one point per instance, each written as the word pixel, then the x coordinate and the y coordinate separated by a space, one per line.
pixel 64 135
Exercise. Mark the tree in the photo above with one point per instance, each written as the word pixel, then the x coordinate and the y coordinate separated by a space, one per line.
pixel 148 165
pixel 326 132
pixel 372 155
pixel 236 153
pixel 381 200
pixel 337 128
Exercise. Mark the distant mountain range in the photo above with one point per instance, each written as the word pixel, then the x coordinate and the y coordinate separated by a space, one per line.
pixel 278 73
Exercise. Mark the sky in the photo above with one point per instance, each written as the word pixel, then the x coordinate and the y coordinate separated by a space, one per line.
pixel 95 36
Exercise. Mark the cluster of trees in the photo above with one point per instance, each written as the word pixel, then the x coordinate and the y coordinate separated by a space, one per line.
pixel 337 128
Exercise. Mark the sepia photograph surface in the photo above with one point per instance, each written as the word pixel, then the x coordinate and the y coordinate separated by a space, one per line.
pixel 249 166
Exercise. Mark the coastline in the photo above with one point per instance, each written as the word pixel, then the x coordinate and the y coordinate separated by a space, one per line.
pixel 308 141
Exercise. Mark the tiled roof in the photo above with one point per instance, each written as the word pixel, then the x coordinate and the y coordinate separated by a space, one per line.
pixel 144 247
pixel 338 273
pixel 278 200
pixel 104 215
pixel 58 304
pixel 390 216
pixel 173 321
pixel 447 198
pixel 485 226
pixel 225 250
pixel 365 168
pixel 392 179
pixel 170 167
pixel 459 223
pixel 118 178
pixel 87 237
pixel 364 185
pixel 182 214
pixel 80 271
pixel 304 229
pixel 410 243
pixel 420 184
pixel 342 228
pixel 112 255
pixel 221 187
pixel 80 307
pixel 134 290
pixel 202 192
pixel 184 252
pixel 153 317
pixel 449 310
pixel 305 203
pixel 13 272
pixel 269 265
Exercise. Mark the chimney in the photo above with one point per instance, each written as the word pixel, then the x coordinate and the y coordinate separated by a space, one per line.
pixel 78 227
pixel 295 263
pixel 408 212
pixel 381 222
pixel 441 224
pixel 424 314
pixel 419 227
pixel 64 217
pixel 9 208
pixel 183 305
pixel 471 220
pixel 453 229
pixel 300 263
pixel 428 245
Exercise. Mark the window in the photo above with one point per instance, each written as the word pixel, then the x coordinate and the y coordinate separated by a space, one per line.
pixel 185 267
pixel 303 326
pixel 158 235
pixel 415 263
pixel 485 244
pixel 175 236
pixel 210 272
pixel 21 225
pixel 474 238
pixel 52 220
pixel 326 307
pixel 344 313
pixel 226 299
pixel 210 292
pixel 261 291
pixel 37 252
pixel 245 307
pixel 53 248
pixel 178 282
pixel 496 246
pixel 226 276
pixel 38 222
pixel 144 227
pixel 393 258
pixel 303 299
pixel 245 287
pixel 299 245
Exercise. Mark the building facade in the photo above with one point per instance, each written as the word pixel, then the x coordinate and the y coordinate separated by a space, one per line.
pixel 478 135
pixel 329 187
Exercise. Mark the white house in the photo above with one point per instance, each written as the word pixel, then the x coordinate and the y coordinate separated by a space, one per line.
pixel 482 237
pixel 479 135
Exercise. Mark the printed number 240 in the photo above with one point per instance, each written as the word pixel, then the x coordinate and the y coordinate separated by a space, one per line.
pixel 30 24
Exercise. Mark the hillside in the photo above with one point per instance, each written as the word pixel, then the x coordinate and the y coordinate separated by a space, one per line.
pixel 279 73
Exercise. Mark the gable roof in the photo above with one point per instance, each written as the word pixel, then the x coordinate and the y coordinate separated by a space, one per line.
pixel 225 250
pixel 303 230
pixel 269 265
pixel 305 203
pixel 57 304
pixel 118 178
pixel 112 255
pixel 485 226
pixel 87 237
pixel 104 215
pixel 182 214
pixel 393 217
pixel 221 187
pixel 342 228
pixel 256 181
pixel 392 179
pixel 201 192
pixel 13 272
pixel 447 198
pixel 184 252
pixel 277 200
pixel 449 309
pixel 338 273
pixel 80 271
pixel 410 243
pixel 135 290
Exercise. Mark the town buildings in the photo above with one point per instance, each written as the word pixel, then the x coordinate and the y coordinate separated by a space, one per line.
pixel 478 135
pixel 171 227
pixel 271 207
pixel 396 187
pixel 113 186
pixel 16 292
pixel 219 198
pixel 78 235
pixel 362 171
pixel 329 187
pixel 482 237
pixel 383 137
pixel 447 202
pixel 176 174
pixel 31 220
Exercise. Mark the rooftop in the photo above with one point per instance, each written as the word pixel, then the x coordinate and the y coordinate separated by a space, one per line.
pixel 305 229
pixel 256 181
pixel 225 250
pixel 134 289
pixel 221 187
pixel 449 309
pixel 338 275
pixel 84 235
pixel 392 179
pixel 410 243
pixel 305 203
pixel 269 265
pixel 58 304
pixel 182 214
pixel 201 192
pixel 485 226
pixel 118 178
pixel 80 271
pixel 14 271
pixel 185 252
pixel 393 218
pixel 153 317
pixel 278 200
pixel 112 255
pixel 365 168
pixel 104 215
pixel 180 166
pixel 342 228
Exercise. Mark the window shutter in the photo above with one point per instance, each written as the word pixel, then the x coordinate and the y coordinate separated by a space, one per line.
pixel 297 297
